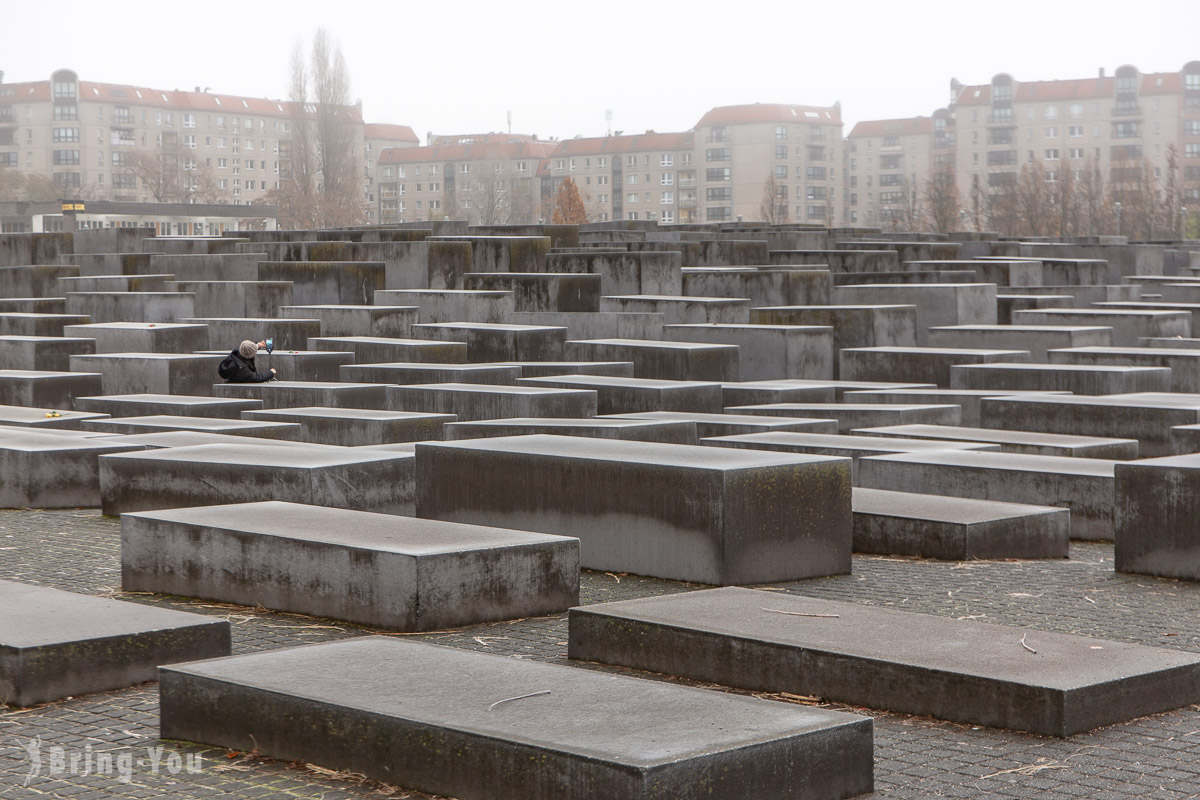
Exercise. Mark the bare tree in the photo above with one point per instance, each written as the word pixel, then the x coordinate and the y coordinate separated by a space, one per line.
pixel 910 205
pixel 1034 202
pixel 497 193
pixel 321 185
pixel 1095 202
pixel 773 210
pixel 160 173
pixel 16 186
pixel 568 205
pixel 941 200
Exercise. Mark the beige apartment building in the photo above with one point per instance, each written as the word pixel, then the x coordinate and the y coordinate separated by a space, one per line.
pixel 1105 127
pixel 887 163
pixel 487 179
pixel 378 137
pixel 649 176
pixel 102 141
pixel 741 149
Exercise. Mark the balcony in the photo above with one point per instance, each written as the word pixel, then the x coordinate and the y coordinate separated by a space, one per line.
pixel 687 202
pixel 123 121
pixel 687 183
pixel 1127 110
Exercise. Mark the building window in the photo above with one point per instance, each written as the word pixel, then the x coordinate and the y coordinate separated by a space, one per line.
pixel 815 173
pixel 1191 150
pixel 717 154
pixel 781 152
pixel 816 212
pixel 463 169
pixel 719 214
pixel 667 198
pixel 1075 153
pixel 666 160
pixel 631 179
pixel 1051 154
pixel 1125 130
pixel 601 180
pixel 891 179
pixel 667 179
pixel 124 180
pixel 8 160
pixel 65 135
pixel 632 197
pixel 781 172
pixel 718 134
pixel 717 194
pixel 66 179
pixel 66 157
pixel 717 174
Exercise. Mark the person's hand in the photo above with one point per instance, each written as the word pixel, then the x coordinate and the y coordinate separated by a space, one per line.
pixel 272 370
pixel 262 343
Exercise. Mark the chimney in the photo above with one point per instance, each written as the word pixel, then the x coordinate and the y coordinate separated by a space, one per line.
pixel 1 76
pixel 197 90
pixel 1102 72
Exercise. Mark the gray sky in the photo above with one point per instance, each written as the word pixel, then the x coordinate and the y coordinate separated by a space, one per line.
pixel 459 67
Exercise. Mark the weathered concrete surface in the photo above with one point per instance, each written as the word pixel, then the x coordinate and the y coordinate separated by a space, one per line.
pixel 925 364
pixel 45 470
pixel 859 415
pixel 689 513
pixel 1157 517
pixel 140 405
pixel 151 373
pixel 360 479
pixel 733 424
pixel 631 395
pixel 144 337
pixel 1080 379
pixel 417 714
pixel 473 401
pixel 1036 444
pixel 634 430
pixel 56 644
pixel 46 389
pixel 957 529
pixel 670 361
pixel 165 422
pixel 356 427
pixel 1084 485
pixel 978 674
pixel 42 352
pixel 294 394
pixel 381 570
pixel 768 352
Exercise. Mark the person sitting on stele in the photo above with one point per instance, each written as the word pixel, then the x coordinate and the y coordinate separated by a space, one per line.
pixel 238 366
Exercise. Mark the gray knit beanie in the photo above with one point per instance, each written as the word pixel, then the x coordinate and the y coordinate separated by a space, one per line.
pixel 248 349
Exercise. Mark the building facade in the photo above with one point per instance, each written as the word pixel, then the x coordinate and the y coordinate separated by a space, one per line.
pixel 887 163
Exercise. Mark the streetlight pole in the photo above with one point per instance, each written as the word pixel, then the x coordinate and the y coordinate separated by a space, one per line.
pixel 1184 223
pixel 962 215
pixel 1117 208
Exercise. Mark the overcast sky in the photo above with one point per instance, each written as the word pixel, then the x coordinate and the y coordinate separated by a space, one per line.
pixel 460 67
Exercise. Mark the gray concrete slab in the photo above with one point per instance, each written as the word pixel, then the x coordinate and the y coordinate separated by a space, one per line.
pixel 853 325
pixel 1128 325
pixel 925 364
pixel 152 373
pixel 294 394
pixel 378 350
pixel 1080 379
pixel 956 529
pixel 937 304
pixel 732 424
pixel 495 342
pixel 17 323
pixel 44 418
pixel 670 361
pixel 45 470
pixel 833 444
pixel 356 427
pixel 140 405
pixel 978 673
pixel 211 474
pixel 287 334
pixel 164 422
pixel 46 389
pixel 56 644
pixel 551 737
pixel 705 514
pixel 541 369
pixel 768 352
pixel 144 337
pixel 1010 441
pixel 633 430
pixel 409 372
pixel 131 306
pixel 968 399
pixel 1157 517
pixel 1037 339
pixel 1147 419
pixel 632 395
pixel 471 401
pixel 1183 363
pixel 382 570
pixel 859 415
pixel 42 352
pixel 357 320
pixel 1084 485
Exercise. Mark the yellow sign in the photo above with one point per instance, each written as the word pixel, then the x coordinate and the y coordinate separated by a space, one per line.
pixel 73 207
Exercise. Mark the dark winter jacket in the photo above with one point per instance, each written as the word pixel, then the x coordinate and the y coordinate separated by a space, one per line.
pixel 246 371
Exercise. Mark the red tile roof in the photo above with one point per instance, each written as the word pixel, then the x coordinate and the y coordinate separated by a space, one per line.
pixel 383 130
pixel 14 92
pixel 893 127
pixel 1076 89
pixel 601 145
pixel 465 152
pixel 770 112
pixel 481 138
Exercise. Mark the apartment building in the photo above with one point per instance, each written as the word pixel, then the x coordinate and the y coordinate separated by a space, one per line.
pixel 650 176
pixel 741 149
pixel 487 179
pixel 378 137
pixel 887 164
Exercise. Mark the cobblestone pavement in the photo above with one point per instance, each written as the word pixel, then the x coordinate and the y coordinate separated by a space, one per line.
pixel 1152 757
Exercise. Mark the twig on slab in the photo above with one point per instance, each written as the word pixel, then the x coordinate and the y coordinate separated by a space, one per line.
pixel 1027 647
pixel 518 697
pixel 798 613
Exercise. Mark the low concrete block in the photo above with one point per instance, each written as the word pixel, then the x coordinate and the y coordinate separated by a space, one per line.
pixel 677 512
pixel 1036 444
pixel 491 342
pixel 670 361
pixel 732 424
pixel 378 350
pixel 46 389
pixel 212 474
pixel 42 352
pixel 45 469
pixel 1157 517
pixel 1037 339
pixel 967 399
pixel 151 373
pixel 288 334
pixel 980 674
pixel 143 337
pixel 1081 379
pixel 1128 325
pixel 141 405
pixel 44 418
pixel 414 713
pixel 16 323
pixel 957 529
pixel 925 364
pixel 164 422
pixel 768 352
pixel 295 394
pixel 383 570
pixel 355 427
pixel 346 320
pixel 470 402
pixel 859 415
pixel 542 291
pixel 131 306
pixel 625 395
pixel 1183 363
pixel 56 644
pixel 632 430
pixel 1084 485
